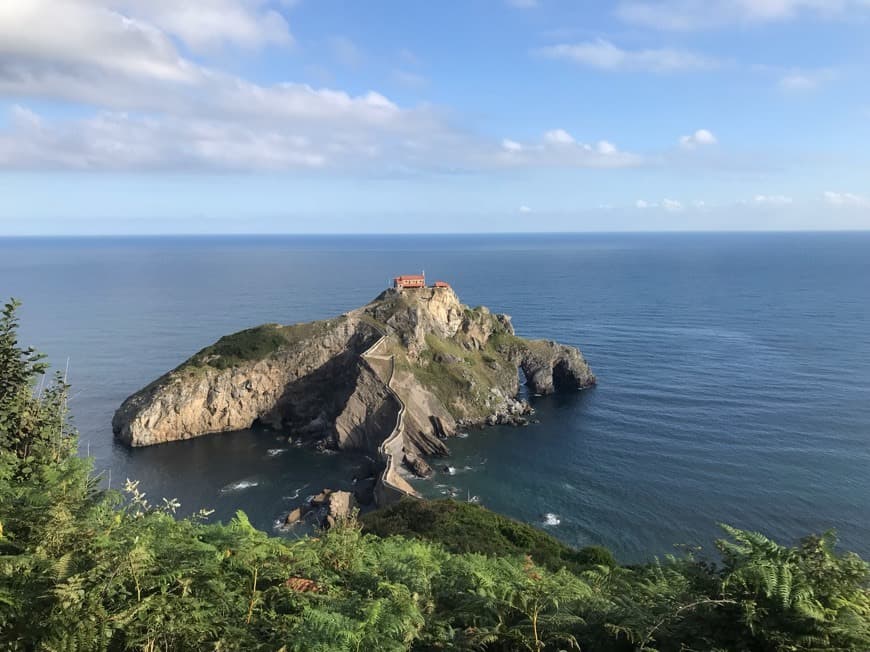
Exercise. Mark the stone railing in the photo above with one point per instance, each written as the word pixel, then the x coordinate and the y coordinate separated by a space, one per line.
pixel 391 487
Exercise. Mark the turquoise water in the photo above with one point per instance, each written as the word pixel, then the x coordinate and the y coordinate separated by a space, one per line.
pixel 734 370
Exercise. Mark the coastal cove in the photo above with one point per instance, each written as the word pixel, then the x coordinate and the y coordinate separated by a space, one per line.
pixel 714 403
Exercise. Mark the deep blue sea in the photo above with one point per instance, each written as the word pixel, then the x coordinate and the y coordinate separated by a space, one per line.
pixel 734 370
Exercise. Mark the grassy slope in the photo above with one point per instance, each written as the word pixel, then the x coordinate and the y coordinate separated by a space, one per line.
pixel 255 344
pixel 463 527
pixel 456 372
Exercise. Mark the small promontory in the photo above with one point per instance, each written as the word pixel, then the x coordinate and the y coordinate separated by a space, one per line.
pixel 393 378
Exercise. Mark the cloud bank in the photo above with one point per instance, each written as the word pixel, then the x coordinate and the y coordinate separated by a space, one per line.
pixel 135 99
pixel 604 55
pixel 689 15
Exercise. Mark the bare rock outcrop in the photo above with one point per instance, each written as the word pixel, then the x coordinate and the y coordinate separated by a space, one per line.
pixel 367 414
pixel 416 465
pixel 550 367
pixel 279 376
pixel 326 509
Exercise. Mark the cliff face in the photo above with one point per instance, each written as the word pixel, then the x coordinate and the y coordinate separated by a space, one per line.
pixel 275 375
pixel 343 383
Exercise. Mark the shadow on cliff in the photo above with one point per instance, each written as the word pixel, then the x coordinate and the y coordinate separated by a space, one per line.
pixel 309 405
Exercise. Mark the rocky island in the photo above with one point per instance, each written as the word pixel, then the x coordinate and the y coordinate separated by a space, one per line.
pixel 392 379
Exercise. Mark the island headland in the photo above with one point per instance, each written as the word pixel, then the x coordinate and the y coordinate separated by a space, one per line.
pixel 393 379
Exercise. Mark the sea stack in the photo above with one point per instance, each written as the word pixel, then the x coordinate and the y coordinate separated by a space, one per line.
pixel 393 379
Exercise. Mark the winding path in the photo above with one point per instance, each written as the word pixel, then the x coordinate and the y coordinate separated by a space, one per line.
pixel 391 487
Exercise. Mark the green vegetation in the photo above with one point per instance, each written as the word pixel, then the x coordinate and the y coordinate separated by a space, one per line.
pixel 452 368
pixel 254 344
pixel 377 324
pixel 509 344
pixel 451 372
pixel 463 527
pixel 82 568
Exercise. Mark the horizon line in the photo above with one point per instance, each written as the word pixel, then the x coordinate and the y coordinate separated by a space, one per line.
pixel 426 234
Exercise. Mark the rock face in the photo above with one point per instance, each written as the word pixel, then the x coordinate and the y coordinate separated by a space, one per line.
pixel 417 465
pixel 412 365
pixel 327 508
pixel 306 376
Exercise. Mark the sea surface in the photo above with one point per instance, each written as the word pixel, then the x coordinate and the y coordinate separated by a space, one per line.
pixel 734 371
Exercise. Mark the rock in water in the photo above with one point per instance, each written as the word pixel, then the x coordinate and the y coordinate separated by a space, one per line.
pixel 417 466
pixel 321 499
pixel 296 515
pixel 339 506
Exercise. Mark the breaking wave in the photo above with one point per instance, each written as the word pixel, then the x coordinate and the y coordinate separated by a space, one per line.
pixel 241 485
pixel 551 519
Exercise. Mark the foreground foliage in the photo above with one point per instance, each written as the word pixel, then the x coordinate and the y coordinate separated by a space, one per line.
pixel 464 527
pixel 86 569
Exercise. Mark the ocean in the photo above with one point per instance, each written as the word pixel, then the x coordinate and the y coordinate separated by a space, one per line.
pixel 734 371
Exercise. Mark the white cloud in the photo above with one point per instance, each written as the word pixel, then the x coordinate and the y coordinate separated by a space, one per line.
pixel 798 82
pixel 558 148
pixel 670 205
pixel 700 138
pixel 604 55
pixel 805 80
pixel 686 15
pixel 773 200
pixel 142 103
pixel 558 137
pixel 120 141
pixel 846 199
pixel 150 106
pixel 605 148
pixel 35 53
pixel 208 24
pixel 116 30
pixel 524 209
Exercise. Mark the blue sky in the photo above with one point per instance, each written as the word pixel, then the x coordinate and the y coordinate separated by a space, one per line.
pixel 252 116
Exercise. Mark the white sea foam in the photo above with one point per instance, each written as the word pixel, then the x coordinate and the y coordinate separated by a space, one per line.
pixel 551 519
pixel 462 435
pixel 295 494
pixel 273 452
pixel 451 470
pixel 241 485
